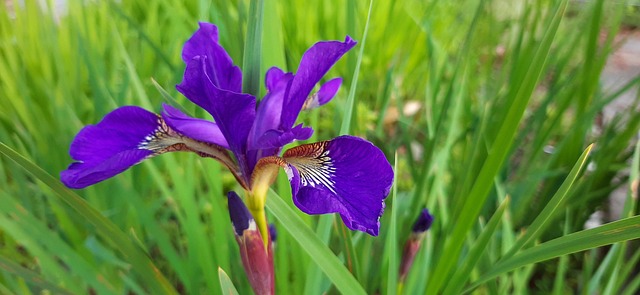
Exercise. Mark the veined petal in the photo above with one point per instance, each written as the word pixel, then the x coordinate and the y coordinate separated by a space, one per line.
pixel 198 129
pixel 223 73
pixel 234 113
pixel 347 175
pixel 110 147
pixel 123 138
pixel 324 95
pixel 314 65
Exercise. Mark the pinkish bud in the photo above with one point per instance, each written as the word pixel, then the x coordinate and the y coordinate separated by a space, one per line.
pixel 411 247
pixel 257 261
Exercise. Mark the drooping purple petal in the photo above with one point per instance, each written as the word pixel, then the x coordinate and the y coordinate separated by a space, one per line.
pixel 234 113
pixel 324 95
pixel 110 147
pixel 347 175
pixel 223 73
pixel 198 129
pixel 314 65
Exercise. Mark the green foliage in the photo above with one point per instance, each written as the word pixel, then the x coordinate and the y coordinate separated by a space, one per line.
pixel 494 86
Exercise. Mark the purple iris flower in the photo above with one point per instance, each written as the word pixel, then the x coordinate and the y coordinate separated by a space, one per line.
pixel 346 175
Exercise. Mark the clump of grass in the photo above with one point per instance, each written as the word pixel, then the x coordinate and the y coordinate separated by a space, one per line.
pixel 494 83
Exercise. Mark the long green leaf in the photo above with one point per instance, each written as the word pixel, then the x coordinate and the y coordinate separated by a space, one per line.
pixel 614 232
pixel 133 254
pixel 390 244
pixel 226 284
pixel 558 199
pixel 496 156
pixel 348 112
pixel 30 276
pixel 253 48
pixel 309 241
pixel 462 274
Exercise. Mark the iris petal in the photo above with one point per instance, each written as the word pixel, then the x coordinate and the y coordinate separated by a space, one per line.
pixel 324 95
pixel 234 113
pixel 125 137
pixel 110 147
pixel 347 175
pixel 220 67
pixel 198 129
pixel 270 107
pixel 315 63
pixel 278 139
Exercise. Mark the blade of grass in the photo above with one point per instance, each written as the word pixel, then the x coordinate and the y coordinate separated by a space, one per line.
pixel 558 199
pixel 225 283
pixel 252 49
pixel 348 110
pixel 309 241
pixel 496 156
pixel 154 280
pixel 316 280
pixel 390 244
pixel 461 276
pixel 563 263
pixel 31 277
pixel 614 232
pixel 167 97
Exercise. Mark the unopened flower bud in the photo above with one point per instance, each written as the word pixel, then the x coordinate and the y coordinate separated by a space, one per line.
pixel 411 247
pixel 257 261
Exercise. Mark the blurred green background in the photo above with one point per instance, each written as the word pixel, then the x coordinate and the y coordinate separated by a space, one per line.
pixel 484 107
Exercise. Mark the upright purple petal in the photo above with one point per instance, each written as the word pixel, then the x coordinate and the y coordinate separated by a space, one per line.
pixel 270 107
pixel 324 95
pixel 314 65
pixel 223 73
pixel 110 147
pixel 347 175
pixel 198 129
pixel 234 113
pixel 274 77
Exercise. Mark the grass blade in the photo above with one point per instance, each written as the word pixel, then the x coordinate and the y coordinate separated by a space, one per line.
pixel 348 110
pixel 252 49
pixel 496 156
pixel 226 284
pixel 558 199
pixel 309 241
pixel 610 233
pixel 31 277
pixel 391 243
pixel 130 251
pixel 462 274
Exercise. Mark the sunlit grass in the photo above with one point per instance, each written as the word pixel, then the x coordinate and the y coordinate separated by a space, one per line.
pixel 492 83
